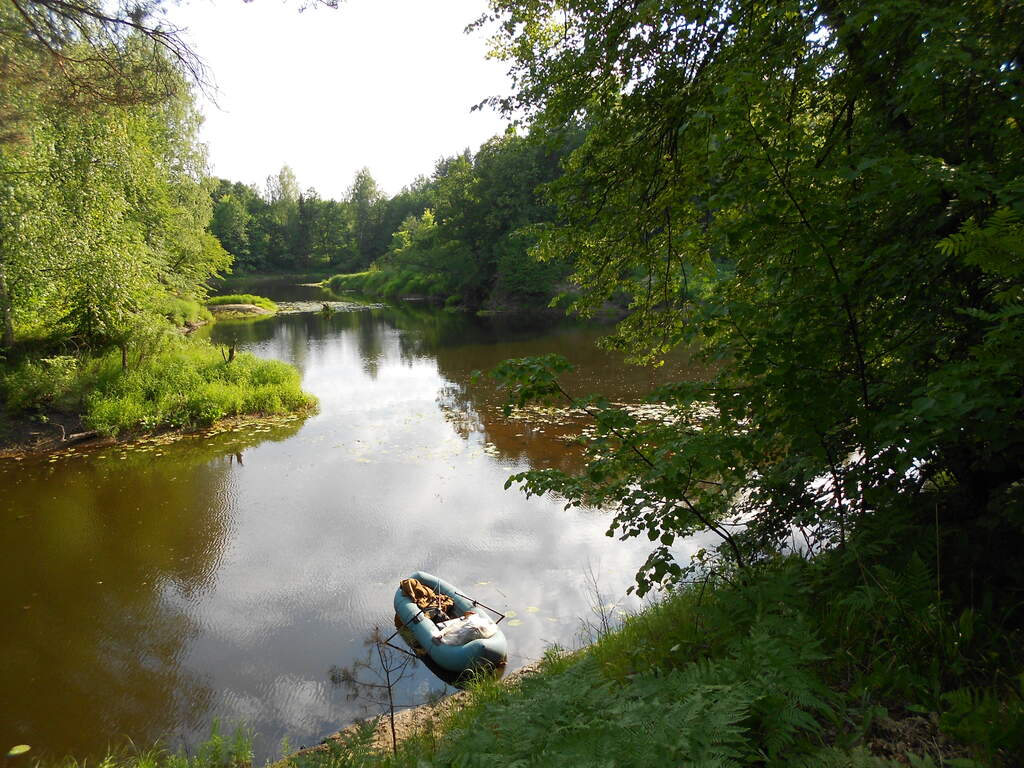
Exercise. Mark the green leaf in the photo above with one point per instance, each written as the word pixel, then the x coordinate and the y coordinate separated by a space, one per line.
pixel 20 749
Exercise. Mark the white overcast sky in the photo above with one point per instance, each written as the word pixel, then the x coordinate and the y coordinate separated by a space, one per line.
pixel 386 84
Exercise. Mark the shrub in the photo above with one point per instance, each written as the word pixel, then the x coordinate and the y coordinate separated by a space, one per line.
pixel 39 383
pixel 183 311
pixel 391 283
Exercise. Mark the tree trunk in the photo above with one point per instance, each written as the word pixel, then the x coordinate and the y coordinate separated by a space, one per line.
pixel 8 314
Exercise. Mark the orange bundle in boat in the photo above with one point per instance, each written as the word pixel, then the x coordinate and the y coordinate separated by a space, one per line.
pixel 429 601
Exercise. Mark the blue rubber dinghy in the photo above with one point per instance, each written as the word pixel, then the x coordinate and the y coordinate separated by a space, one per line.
pixel 478 654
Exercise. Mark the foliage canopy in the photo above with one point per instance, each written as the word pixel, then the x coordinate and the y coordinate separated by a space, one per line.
pixel 825 197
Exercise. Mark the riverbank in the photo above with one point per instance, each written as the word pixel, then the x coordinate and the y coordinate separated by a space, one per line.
pixel 21 438
pixel 375 733
pixel 228 311
pixel 802 663
pixel 797 663
pixel 408 284
pixel 246 303
pixel 189 384
pixel 45 432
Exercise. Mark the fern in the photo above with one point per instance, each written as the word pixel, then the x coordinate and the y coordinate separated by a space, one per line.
pixel 831 757
pixel 992 725
pixel 997 248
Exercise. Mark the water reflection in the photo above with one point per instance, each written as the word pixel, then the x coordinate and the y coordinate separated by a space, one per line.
pixel 106 556
pixel 222 576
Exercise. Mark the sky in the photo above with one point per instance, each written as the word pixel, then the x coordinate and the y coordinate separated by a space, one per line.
pixel 385 84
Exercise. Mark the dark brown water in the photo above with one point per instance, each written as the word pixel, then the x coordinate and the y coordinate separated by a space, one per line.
pixel 148 590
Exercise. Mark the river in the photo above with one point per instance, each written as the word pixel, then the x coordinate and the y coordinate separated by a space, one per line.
pixel 150 589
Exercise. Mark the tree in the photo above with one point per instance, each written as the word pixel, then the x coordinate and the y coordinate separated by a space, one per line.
pixel 86 54
pixel 283 187
pixel 332 241
pixel 413 200
pixel 280 218
pixel 366 202
pixel 104 213
pixel 230 225
pixel 778 183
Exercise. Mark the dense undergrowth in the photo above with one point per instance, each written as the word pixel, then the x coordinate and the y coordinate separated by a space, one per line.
pixel 243 298
pixel 393 283
pixel 184 384
pixel 831 662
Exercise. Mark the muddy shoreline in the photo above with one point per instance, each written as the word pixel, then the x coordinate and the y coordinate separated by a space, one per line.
pixel 39 434
pixel 21 437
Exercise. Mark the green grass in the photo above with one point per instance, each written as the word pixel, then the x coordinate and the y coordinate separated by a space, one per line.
pixel 390 284
pixel 803 664
pixel 182 312
pixel 242 298
pixel 218 751
pixel 186 384
pixel 188 388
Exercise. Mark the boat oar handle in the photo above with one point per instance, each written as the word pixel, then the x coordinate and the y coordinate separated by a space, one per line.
pixel 477 602
pixel 414 620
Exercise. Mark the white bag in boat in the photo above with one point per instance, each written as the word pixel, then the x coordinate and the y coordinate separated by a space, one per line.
pixel 466 629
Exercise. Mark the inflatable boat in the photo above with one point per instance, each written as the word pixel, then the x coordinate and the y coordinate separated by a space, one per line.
pixel 479 654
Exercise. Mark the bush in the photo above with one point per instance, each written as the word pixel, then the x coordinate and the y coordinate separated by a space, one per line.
pixel 390 283
pixel 35 384
pixel 183 312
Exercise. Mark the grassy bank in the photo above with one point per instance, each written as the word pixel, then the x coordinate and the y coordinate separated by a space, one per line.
pixel 183 384
pixel 825 663
pixel 391 284
pixel 242 298
pixel 220 750
pixel 847 660
pixel 397 284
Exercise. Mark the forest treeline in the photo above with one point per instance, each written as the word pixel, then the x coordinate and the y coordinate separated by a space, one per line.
pixel 463 234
